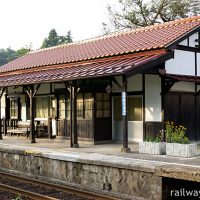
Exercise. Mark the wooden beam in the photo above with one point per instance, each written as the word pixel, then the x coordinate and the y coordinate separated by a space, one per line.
pixel 30 93
pixel 73 115
pixel 125 147
pixel 186 48
pixel 1 94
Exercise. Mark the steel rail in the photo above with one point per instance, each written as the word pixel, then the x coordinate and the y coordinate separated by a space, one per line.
pixel 31 195
pixel 62 188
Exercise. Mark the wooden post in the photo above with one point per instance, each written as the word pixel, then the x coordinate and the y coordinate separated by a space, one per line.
pixel 1 94
pixel 50 127
pixel 4 126
pixel 32 125
pixel 125 147
pixel 73 115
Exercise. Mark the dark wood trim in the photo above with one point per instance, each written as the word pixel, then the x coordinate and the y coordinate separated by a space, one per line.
pixel 143 106
pixel 30 93
pixel 124 118
pixel 175 43
pixel 186 48
pixel 147 66
pixel 188 41
pixel 1 94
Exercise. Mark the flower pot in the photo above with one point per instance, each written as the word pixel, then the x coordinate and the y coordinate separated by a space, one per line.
pixel 158 148
pixel 181 150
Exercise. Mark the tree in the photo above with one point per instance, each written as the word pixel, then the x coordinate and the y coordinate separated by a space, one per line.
pixel 54 39
pixel 141 13
pixel 7 55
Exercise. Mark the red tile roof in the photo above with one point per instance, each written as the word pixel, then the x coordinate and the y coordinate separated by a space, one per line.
pixel 92 69
pixel 143 39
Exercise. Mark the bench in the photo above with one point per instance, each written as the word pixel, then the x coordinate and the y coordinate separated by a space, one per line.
pixel 21 130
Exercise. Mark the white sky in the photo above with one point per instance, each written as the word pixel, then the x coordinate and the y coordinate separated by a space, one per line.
pixel 29 21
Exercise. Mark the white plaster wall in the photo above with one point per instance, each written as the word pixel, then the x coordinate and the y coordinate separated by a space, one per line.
pixel 135 83
pixel 153 98
pixel 198 64
pixel 192 39
pixel 183 63
pixel 23 108
pixel 115 89
pixel 13 90
pixel 184 42
pixel 183 86
pixel 44 89
pixel 3 106
pixel 57 86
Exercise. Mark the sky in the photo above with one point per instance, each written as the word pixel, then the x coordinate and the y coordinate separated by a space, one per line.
pixel 29 21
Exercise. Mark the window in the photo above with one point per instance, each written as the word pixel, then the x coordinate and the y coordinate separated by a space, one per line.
pixel 14 108
pixel 62 103
pixel 61 107
pixel 84 105
pixel 42 107
pixel 79 105
pixel 102 105
pixel 88 105
pixel 134 110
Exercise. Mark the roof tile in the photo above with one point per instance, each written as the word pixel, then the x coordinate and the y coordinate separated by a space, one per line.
pixel 142 39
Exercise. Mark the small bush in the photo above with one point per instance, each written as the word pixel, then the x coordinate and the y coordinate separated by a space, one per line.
pixel 175 133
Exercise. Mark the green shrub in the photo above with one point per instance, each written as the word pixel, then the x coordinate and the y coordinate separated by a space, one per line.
pixel 175 133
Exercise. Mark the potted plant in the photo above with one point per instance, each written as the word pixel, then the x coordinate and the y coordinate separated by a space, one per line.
pixel 177 144
pixel 153 145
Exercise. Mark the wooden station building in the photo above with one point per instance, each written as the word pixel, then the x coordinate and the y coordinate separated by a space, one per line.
pixel 121 86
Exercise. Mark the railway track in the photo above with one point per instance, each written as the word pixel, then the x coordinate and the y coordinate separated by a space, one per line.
pixel 30 193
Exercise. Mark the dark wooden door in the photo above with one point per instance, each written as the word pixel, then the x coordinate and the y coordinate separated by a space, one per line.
pixel 171 107
pixel 180 108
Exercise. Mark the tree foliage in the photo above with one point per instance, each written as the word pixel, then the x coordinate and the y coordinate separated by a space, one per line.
pixel 141 13
pixel 54 39
pixel 7 55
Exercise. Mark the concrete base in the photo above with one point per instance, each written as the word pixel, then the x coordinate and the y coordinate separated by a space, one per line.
pixel 158 148
pixel 75 145
pixel 125 150
pixel 181 150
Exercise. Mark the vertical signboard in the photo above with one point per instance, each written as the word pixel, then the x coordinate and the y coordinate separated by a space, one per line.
pixel 123 103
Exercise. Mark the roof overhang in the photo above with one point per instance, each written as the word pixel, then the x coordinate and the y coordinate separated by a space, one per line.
pixel 122 66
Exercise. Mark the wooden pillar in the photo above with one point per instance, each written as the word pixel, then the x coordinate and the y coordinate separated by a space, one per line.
pixel 73 115
pixel 50 127
pixel 4 126
pixel 32 125
pixel 125 147
pixel 1 94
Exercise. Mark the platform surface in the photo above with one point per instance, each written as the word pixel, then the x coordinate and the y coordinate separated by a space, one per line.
pixel 106 154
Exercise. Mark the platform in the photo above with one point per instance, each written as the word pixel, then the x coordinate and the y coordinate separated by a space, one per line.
pixel 98 159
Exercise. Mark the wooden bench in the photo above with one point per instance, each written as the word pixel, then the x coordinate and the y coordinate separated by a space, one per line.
pixel 21 130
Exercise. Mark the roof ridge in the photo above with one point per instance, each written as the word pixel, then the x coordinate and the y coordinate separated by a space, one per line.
pixel 121 32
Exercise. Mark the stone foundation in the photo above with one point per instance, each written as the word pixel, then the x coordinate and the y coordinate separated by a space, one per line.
pixel 118 181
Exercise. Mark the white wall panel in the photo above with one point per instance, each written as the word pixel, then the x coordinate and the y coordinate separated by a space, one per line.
pixel 198 64
pixel 183 63
pixel 44 89
pixel 152 98
pixel 135 83
pixel 192 39
pixel 184 42
pixel 183 86
pixel 23 108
